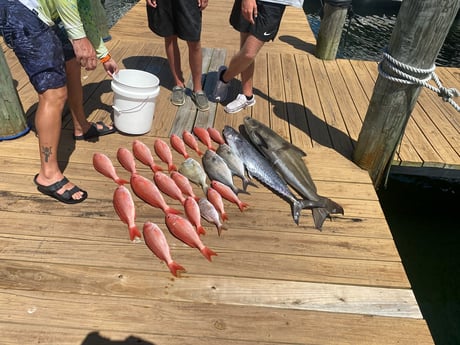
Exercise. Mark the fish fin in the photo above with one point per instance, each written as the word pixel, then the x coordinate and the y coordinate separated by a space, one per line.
pixel 200 230
pixel 296 207
pixel 220 227
pixel 319 216
pixel 134 233
pixel 333 207
pixel 242 205
pixel 207 253
pixel 176 269
pixel 247 182
pixel 260 140
pixel 297 151
pixel 224 216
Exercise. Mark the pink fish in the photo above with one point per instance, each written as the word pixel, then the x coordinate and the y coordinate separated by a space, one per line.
pixel 228 194
pixel 192 211
pixel 210 214
pixel 184 184
pixel 204 137
pixel 143 153
pixel 178 144
pixel 216 135
pixel 181 228
pixel 167 185
pixel 149 192
pixel 104 165
pixel 216 199
pixel 191 142
pixel 164 152
pixel 156 241
pixel 126 159
pixel 124 207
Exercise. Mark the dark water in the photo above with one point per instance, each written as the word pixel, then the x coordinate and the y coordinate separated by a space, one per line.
pixel 422 213
pixel 365 37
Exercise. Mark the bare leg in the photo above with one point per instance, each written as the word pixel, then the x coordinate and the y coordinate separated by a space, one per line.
pixel 75 98
pixel 48 125
pixel 173 54
pixel 195 60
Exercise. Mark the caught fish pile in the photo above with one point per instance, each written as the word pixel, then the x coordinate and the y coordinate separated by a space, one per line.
pixel 259 153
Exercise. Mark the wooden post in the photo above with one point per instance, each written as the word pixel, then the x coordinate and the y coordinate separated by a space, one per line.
pixel 330 30
pixel 420 30
pixel 12 118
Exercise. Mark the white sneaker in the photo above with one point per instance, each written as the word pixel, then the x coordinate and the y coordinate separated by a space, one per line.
pixel 220 91
pixel 240 103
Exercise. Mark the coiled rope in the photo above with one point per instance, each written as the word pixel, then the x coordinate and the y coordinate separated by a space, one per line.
pixel 405 75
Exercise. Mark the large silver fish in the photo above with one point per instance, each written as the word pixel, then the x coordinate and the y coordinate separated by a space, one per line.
pixel 260 168
pixel 287 161
pixel 191 169
pixel 235 164
pixel 216 168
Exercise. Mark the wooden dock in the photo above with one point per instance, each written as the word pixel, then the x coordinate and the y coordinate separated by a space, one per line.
pixel 70 275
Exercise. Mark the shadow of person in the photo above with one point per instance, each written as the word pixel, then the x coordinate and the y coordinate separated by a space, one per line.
pixel 94 338
pixel 298 44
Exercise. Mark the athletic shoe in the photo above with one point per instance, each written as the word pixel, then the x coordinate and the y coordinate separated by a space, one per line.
pixel 220 91
pixel 200 100
pixel 178 96
pixel 240 103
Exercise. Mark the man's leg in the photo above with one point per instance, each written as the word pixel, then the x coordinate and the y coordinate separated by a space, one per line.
pixel 75 100
pixel 48 126
pixel 174 60
pixel 196 60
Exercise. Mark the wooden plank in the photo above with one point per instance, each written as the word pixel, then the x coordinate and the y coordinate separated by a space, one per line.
pixel 398 303
pixel 251 324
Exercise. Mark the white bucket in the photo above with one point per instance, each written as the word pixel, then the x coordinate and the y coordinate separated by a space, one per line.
pixel 134 95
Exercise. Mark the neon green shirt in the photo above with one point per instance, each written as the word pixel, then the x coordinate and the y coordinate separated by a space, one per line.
pixel 77 17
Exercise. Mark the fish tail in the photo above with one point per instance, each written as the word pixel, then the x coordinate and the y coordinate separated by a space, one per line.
pixel 155 168
pixel 333 207
pixel 200 230
pixel 319 216
pixel 242 205
pixel 134 233
pixel 247 182
pixel 199 152
pixel 207 253
pixel 224 216
pixel 171 210
pixel 172 167
pixel 121 181
pixel 220 227
pixel 175 268
pixel 296 207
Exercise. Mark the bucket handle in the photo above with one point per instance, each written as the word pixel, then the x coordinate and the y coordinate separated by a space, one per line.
pixel 133 109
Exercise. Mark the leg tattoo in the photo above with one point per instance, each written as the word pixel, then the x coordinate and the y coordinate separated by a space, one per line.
pixel 46 151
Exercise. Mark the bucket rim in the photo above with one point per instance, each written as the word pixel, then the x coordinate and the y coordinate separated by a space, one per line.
pixel 155 83
pixel 148 92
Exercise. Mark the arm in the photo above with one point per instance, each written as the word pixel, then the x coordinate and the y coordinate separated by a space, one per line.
pixel 249 10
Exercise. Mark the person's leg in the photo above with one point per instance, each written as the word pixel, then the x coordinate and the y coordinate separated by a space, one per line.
pixel 48 127
pixel 174 59
pixel 195 60
pixel 75 101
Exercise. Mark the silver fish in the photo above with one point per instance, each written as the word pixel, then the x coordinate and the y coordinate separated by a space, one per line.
pixel 259 167
pixel 217 170
pixel 210 214
pixel 287 161
pixel 191 169
pixel 234 163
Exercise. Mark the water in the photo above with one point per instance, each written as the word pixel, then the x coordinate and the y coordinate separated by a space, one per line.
pixel 365 37
pixel 115 9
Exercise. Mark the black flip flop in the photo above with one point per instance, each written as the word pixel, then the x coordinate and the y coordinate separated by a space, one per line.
pixel 65 197
pixel 93 132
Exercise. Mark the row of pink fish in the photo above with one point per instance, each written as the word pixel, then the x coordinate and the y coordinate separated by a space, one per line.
pixel 176 186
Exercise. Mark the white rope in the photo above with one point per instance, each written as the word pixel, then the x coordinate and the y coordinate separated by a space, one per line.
pixel 405 75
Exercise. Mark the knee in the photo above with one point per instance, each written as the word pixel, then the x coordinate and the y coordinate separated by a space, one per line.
pixel 56 96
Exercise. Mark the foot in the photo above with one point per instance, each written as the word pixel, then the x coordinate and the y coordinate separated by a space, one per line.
pixel 241 102
pixel 200 100
pixel 61 190
pixel 178 96
pixel 96 129
pixel 220 91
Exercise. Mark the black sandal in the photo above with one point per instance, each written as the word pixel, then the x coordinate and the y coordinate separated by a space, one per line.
pixel 65 197
pixel 93 132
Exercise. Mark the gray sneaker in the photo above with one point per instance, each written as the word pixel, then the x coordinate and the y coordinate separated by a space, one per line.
pixel 178 96
pixel 240 103
pixel 220 91
pixel 200 100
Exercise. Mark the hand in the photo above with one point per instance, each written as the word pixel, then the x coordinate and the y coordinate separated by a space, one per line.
pixel 111 67
pixel 202 4
pixel 85 53
pixel 249 10
pixel 152 3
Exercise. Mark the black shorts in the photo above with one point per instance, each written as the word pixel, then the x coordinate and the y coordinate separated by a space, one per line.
pixel 266 24
pixel 180 18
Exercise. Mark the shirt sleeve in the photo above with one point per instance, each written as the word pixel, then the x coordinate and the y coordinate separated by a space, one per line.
pixel 69 13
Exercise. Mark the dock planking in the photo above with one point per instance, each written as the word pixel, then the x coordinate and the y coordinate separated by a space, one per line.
pixel 71 276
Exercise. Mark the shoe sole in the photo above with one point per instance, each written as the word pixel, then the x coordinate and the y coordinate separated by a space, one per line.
pixel 238 110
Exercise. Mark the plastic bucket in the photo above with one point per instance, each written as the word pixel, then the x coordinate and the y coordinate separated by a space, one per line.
pixel 134 95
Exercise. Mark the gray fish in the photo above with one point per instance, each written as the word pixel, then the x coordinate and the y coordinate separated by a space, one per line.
pixel 260 168
pixel 217 170
pixel 210 214
pixel 235 164
pixel 287 161
pixel 191 169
